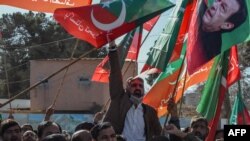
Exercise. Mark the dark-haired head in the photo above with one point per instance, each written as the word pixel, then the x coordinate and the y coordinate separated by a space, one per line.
pixel 46 128
pixel 97 131
pixel 54 137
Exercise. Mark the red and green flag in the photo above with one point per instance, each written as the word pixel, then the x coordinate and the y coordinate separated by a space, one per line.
pixel 161 52
pixel 100 23
pixel 210 94
pixel 215 89
pixel 208 103
pixel 48 6
pixel 240 114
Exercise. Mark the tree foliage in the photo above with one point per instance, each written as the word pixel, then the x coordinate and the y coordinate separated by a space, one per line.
pixel 31 36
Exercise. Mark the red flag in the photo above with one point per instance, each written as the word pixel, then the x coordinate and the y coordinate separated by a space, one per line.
pixel 100 23
pixel 183 30
pixel 101 73
pixel 150 24
pixel 48 6
pixel 234 70
pixel 135 46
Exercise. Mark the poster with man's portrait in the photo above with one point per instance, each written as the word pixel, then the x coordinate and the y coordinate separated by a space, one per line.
pixel 216 25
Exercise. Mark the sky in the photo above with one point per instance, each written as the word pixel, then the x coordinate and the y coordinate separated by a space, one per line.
pixel 152 37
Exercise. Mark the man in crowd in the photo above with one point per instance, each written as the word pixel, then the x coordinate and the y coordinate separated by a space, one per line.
pixel 127 114
pixel 46 128
pixel 81 135
pixel 103 131
pixel 10 130
pixel 29 136
pixel 199 130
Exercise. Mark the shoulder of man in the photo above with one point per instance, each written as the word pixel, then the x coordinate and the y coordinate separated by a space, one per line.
pixel 148 108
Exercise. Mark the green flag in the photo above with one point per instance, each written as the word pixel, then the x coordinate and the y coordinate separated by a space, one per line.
pixel 210 94
pixel 162 50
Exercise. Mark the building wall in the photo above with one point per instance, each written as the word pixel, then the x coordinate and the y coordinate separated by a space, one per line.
pixel 192 99
pixel 78 93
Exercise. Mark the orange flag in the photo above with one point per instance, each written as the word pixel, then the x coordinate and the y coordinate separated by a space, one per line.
pixel 159 94
pixel 48 6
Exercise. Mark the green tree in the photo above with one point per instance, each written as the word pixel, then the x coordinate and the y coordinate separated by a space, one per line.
pixel 31 36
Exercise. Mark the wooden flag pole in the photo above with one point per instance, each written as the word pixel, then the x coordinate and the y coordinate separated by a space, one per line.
pixel 175 88
pixel 182 93
pixel 64 75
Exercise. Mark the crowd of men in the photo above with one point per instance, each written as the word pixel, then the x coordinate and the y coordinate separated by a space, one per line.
pixel 127 118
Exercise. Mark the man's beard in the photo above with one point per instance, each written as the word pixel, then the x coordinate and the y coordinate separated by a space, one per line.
pixel 135 100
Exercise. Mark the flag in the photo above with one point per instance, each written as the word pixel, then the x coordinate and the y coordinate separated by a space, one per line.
pixel 150 24
pixel 234 69
pixel 136 45
pixel 215 89
pixel 239 113
pixel 206 40
pixel 101 73
pixel 208 103
pixel 163 89
pixel 100 23
pixel 213 94
pixel 164 86
pixel 162 50
pixel 48 6
pixel 131 40
pixel 210 93
pixel 183 30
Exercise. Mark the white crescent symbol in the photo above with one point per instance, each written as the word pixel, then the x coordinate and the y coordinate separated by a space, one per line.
pixel 110 26
pixel 181 75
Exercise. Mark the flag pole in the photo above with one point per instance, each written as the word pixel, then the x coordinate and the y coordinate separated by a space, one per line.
pixel 175 88
pixel 64 75
pixel 149 32
pixel 182 93
pixel 46 78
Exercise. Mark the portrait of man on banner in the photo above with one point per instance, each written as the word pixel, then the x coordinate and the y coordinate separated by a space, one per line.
pixel 215 26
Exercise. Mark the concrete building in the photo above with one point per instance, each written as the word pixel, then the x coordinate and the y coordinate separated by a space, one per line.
pixel 78 93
